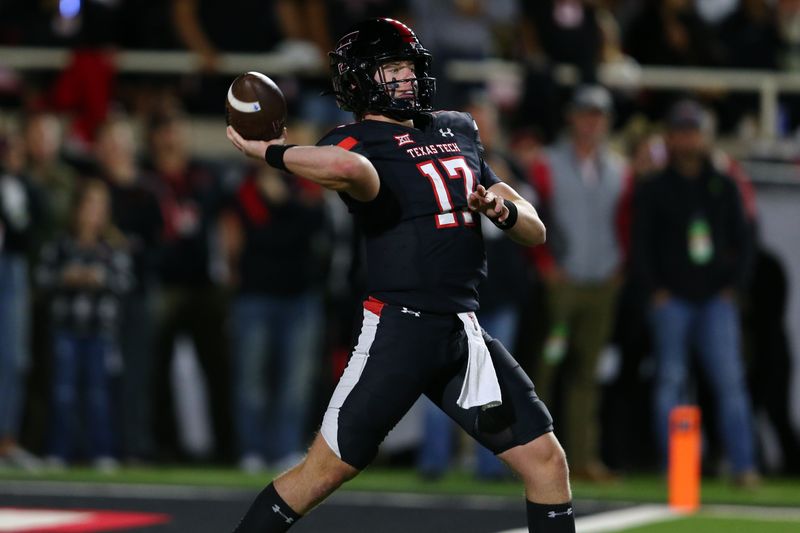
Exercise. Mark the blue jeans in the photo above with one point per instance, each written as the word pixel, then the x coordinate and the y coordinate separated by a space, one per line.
pixel 14 342
pixel 79 372
pixel 276 351
pixel 437 444
pixel 712 328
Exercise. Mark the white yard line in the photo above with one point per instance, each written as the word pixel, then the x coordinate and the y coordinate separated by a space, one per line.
pixel 16 520
pixel 616 520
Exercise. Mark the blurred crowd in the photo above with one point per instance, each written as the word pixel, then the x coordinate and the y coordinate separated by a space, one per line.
pixel 122 248
pixel 739 34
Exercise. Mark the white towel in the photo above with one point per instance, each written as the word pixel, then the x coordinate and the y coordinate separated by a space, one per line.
pixel 480 387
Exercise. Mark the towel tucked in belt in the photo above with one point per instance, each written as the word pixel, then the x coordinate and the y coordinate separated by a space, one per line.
pixel 480 386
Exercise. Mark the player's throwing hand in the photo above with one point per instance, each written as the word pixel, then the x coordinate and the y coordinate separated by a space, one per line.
pixel 252 148
pixel 488 203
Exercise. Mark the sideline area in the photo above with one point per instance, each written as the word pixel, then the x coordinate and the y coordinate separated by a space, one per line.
pixel 210 499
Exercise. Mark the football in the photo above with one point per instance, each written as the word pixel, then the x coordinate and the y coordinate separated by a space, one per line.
pixel 255 107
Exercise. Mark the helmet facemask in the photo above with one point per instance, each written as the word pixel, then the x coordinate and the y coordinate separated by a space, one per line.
pixel 383 96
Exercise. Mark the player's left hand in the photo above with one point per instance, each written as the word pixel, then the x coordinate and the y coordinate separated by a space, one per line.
pixel 254 149
pixel 488 203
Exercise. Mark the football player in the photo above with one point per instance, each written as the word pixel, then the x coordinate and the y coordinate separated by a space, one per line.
pixel 419 188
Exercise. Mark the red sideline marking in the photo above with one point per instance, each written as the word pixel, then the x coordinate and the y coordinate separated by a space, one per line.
pixel 91 521
pixel 347 143
pixel 373 305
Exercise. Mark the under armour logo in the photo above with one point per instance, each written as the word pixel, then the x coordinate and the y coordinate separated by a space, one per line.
pixel 404 139
pixel 446 132
pixel 554 514
pixel 410 312
pixel 276 509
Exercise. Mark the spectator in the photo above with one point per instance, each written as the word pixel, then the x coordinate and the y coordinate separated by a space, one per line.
pixel 341 15
pixel 669 32
pixel 20 210
pixel 527 148
pixel 136 213
pixel 691 251
pixel 538 114
pixel 763 306
pixel 191 301
pixel 470 35
pixel 204 27
pixel 610 37
pixel 48 170
pixel 789 28
pixel 24 23
pixel 57 181
pixel 568 32
pixel 209 28
pixel 583 191
pixel 788 20
pixel 645 147
pixel 580 33
pixel 627 431
pixel 85 87
pixel 767 345
pixel 309 25
pixel 712 12
pixel 537 111
pixel 277 316
pixel 85 272
pixel 750 40
pixel 750 36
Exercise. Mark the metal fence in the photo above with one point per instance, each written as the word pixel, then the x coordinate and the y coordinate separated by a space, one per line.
pixel 625 75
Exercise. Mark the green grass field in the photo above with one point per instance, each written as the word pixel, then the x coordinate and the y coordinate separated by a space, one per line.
pixel 633 488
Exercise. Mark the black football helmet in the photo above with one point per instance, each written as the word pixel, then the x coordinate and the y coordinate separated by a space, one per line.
pixel 356 59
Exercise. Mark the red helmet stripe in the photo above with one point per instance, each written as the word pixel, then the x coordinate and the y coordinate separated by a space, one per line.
pixel 405 31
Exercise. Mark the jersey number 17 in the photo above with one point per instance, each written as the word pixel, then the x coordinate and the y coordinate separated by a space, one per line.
pixel 455 168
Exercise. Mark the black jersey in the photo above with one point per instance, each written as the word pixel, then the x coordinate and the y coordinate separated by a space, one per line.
pixel 424 247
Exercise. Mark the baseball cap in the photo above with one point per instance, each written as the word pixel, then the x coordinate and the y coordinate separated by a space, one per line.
pixel 686 114
pixel 591 97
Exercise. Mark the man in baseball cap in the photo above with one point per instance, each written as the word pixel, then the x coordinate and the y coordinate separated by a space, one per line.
pixel 592 98
pixel 687 114
pixel 691 248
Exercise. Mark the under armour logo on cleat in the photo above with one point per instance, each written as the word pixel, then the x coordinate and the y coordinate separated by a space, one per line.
pixel 553 514
pixel 410 312
pixel 446 132
pixel 276 509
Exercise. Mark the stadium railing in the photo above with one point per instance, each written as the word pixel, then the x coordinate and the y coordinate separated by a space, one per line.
pixel 768 85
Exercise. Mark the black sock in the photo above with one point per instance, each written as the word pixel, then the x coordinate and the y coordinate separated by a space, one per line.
pixel 268 514
pixel 550 518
